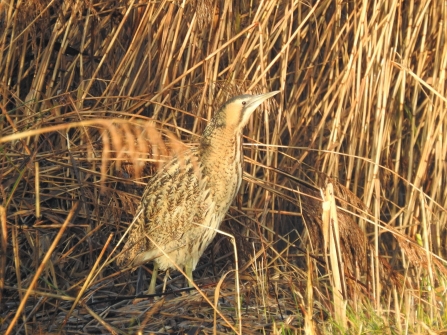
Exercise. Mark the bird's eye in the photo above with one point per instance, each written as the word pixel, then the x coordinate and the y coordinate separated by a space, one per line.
pixel 244 103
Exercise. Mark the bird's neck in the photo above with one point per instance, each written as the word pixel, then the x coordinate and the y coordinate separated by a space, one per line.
pixel 221 157
pixel 221 144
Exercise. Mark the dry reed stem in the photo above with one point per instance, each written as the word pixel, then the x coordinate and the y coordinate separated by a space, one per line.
pixel 39 270
pixel 4 244
pixel 87 280
pixel 363 102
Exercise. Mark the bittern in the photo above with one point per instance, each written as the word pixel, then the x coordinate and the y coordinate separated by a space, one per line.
pixel 186 200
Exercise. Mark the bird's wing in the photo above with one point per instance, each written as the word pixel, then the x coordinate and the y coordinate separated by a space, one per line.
pixel 174 200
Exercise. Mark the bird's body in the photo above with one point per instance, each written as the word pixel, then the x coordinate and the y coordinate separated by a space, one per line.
pixel 185 202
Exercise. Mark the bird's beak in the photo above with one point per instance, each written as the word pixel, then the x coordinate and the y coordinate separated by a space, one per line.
pixel 256 100
pixel 252 104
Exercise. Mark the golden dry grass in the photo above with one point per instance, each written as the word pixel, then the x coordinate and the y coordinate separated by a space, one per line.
pixel 340 223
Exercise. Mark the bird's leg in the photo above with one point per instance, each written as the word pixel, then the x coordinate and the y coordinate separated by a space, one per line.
pixel 165 280
pixel 140 280
pixel 188 271
pixel 153 279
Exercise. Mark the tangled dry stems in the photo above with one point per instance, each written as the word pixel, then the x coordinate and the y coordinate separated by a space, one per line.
pixel 94 96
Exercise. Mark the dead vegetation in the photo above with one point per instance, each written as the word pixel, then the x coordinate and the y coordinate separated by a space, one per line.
pixel 340 222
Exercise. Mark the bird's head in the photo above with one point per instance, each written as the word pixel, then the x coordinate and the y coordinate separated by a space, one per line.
pixel 235 113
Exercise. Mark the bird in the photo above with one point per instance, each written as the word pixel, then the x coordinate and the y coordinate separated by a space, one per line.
pixel 185 201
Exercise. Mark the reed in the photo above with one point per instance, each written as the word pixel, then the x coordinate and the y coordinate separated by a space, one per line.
pixel 340 223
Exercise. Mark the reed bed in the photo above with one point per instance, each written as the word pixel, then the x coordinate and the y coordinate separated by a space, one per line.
pixel 340 224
